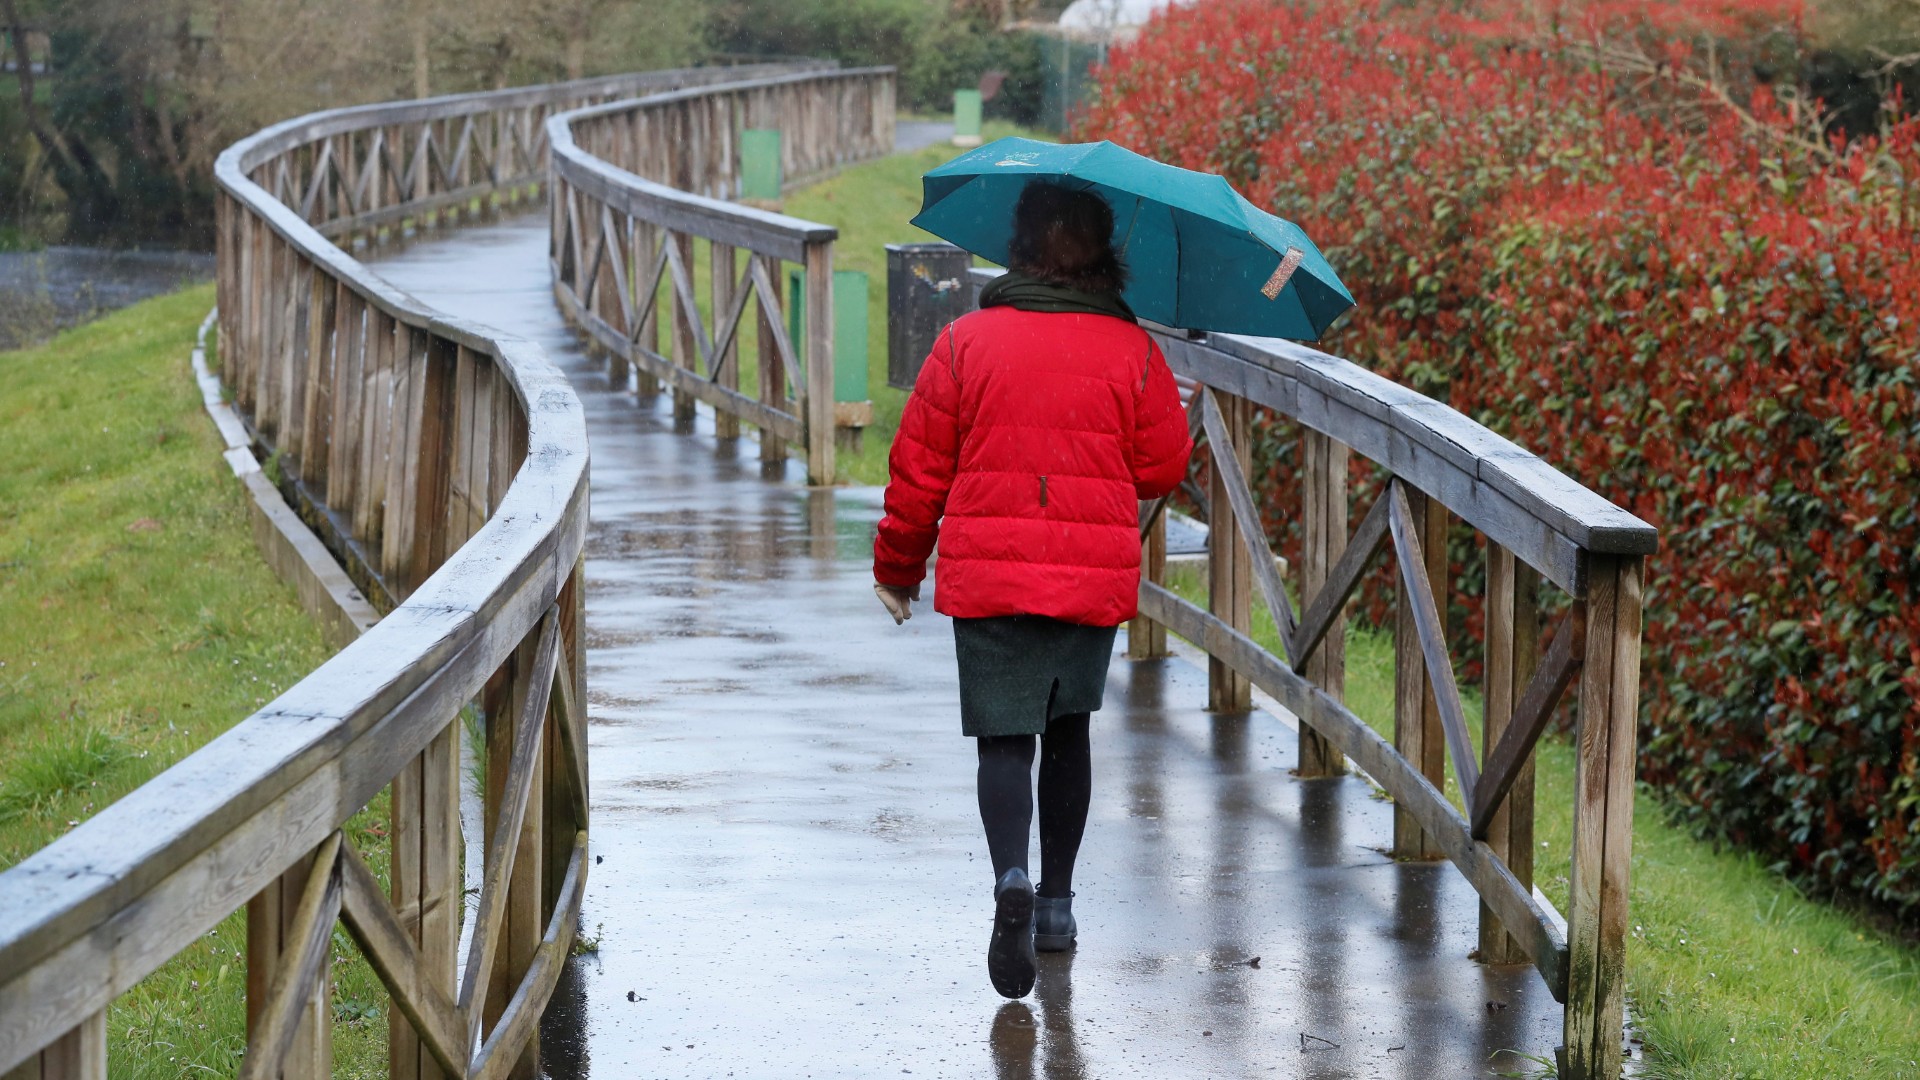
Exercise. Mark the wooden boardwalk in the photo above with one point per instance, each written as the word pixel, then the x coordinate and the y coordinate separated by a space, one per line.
pixel 794 881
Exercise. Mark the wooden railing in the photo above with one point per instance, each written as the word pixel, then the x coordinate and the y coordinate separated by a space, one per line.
pixel 1538 526
pixel 445 464
pixel 637 183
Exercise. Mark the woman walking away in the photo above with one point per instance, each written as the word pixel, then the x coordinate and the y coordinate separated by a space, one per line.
pixel 1036 426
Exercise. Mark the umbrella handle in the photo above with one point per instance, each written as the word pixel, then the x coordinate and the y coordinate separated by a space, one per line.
pixel 1282 273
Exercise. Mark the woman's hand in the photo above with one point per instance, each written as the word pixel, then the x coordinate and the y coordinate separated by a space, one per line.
pixel 898 601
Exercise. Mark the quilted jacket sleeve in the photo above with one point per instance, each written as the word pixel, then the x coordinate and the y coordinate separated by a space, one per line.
pixel 926 452
pixel 1160 440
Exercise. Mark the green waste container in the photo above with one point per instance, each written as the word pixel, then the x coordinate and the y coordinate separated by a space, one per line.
pixel 760 164
pixel 849 328
pixel 966 118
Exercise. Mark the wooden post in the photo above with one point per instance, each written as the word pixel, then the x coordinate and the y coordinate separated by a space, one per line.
pixel 345 432
pixel 426 886
pixel 624 288
pixel 429 472
pixel 80 1054
pixel 522 926
pixel 1229 568
pixel 603 298
pixel 562 822
pixel 819 353
pixel 1326 539
pixel 269 373
pixel 396 526
pixel 290 357
pixel 315 421
pixel 646 242
pixel 1603 820
pixel 1513 652
pixel 270 919
pixel 1146 639
pixel 685 352
pixel 721 257
pixel 772 374
pixel 1417 733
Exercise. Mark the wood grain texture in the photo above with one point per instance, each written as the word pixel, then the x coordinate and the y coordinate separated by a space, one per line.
pixel 296 1004
pixel 391 950
pixel 507 813
pixel 1423 589
pixel 1229 569
pixel 1324 517
pixel 1336 583
pixel 1246 517
pixel 1525 719
pixel 1146 639
pixel 1417 730
pixel 1603 821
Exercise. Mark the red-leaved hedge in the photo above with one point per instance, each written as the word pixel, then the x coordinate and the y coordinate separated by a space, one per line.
pixel 1706 320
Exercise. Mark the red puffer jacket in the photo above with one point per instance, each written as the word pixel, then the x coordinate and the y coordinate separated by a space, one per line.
pixel 1027 444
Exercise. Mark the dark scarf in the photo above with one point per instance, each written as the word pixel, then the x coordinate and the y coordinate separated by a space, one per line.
pixel 1023 292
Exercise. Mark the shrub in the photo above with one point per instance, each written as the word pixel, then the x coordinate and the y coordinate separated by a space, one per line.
pixel 1669 291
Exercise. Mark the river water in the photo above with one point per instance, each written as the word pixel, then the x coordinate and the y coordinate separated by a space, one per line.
pixel 42 292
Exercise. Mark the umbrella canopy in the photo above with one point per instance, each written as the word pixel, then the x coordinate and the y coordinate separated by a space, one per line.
pixel 1198 255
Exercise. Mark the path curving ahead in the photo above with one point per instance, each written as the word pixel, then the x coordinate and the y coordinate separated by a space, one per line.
pixel 794 881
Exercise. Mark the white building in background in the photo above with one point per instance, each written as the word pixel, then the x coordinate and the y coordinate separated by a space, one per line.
pixel 1106 20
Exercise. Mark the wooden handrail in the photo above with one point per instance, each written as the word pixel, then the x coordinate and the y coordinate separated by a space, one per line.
pixel 631 196
pixel 447 465
pixel 1538 524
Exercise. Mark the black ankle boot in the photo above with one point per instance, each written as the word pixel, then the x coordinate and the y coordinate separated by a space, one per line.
pixel 1010 959
pixel 1053 925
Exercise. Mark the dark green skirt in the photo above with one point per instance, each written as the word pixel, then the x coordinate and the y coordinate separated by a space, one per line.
pixel 1017 672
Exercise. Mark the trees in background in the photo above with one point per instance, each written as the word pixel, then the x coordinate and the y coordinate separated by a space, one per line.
pixel 115 142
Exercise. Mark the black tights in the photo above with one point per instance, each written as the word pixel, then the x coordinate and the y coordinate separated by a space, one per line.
pixel 1066 787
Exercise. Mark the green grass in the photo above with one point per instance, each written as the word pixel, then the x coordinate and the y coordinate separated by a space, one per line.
pixel 1733 974
pixel 137 622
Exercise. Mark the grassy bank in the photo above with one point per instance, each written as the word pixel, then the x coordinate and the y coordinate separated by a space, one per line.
pixel 1733 974
pixel 136 623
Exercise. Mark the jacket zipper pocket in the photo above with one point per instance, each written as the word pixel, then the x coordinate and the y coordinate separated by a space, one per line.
pixel 1043 491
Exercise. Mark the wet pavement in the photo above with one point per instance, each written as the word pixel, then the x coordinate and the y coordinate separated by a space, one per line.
pixel 919 134
pixel 794 880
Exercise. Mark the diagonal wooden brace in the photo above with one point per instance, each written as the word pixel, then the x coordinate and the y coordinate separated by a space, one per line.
pixel 1341 581
pixel 293 983
pixel 1247 518
pixel 395 958
pixel 1433 642
pixel 505 841
pixel 1530 715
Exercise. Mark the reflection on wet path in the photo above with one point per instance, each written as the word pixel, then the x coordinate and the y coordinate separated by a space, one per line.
pixel 794 882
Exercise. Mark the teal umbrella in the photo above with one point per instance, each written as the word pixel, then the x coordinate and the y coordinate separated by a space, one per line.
pixel 1198 255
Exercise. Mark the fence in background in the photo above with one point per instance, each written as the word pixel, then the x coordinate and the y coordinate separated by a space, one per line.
pixel 636 184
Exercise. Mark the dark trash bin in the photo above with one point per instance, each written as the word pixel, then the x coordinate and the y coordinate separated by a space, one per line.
pixel 927 288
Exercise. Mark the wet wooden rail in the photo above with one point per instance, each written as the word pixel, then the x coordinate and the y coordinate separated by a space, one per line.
pixel 446 466
pixel 1539 530
pixel 637 183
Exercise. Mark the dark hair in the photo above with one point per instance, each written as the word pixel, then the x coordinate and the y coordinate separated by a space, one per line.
pixel 1064 236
